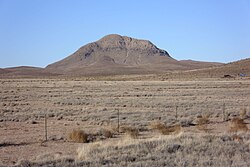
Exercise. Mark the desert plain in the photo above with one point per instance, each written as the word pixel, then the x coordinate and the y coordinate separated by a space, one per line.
pixel 112 105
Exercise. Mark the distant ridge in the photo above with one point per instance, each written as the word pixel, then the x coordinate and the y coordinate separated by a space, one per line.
pixel 25 71
pixel 3 71
pixel 240 69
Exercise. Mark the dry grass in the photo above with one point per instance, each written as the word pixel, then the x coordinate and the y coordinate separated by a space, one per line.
pixel 131 132
pixel 237 138
pixel 166 130
pixel 203 122
pixel 157 125
pixel 78 136
pixel 107 133
pixel 92 104
pixel 243 113
pixel 238 124
pixel 187 149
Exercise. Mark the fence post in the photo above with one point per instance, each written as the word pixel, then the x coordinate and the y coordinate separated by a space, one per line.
pixel 45 127
pixel 224 112
pixel 176 114
pixel 118 121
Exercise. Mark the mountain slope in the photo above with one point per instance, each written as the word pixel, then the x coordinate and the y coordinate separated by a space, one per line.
pixel 115 54
pixel 113 50
pixel 233 68
pixel 230 70
pixel 200 64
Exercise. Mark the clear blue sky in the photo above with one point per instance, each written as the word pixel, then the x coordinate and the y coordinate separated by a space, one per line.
pixel 40 32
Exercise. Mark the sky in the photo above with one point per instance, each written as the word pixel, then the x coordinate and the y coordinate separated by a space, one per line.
pixel 40 32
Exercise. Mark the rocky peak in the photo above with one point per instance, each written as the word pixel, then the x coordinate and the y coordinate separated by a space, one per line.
pixel 115 40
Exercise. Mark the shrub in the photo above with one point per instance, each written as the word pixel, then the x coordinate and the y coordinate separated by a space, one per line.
pixel 170 130
pixel 157 125
pixel 238 124
pixel 78 136
pixel 130 131
pixel 237 138
pixel 166 130
pixel 107 133
pixel 202 123
pixel 203 120
pixel 243 113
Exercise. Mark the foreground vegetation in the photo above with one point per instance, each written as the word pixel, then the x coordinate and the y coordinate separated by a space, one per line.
pixel 179 150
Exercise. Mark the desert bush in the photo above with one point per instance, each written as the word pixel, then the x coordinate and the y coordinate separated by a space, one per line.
pixel 203 120
pixel 238 124
pixel 113 128
pixel 243 113
pixel 107 133
pixel 237 138
pixel 157 125
pixel 164 129
pixel 132 132
pixel 202 123
pixel 172 130
pixel 78 136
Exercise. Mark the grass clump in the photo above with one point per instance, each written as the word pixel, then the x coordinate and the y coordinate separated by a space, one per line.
pixel 132 132
pixel 202 123
pixel 78 136
pixel 203 120
pixel 243 113
pixel 238 124
pixel 164 129
pixel 107 133
pixel 237 138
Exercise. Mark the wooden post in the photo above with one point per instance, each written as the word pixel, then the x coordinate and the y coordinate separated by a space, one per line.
pixel 45 127
pixel 118 121
pixel 176 114
pixel 224 112
pixel 4 121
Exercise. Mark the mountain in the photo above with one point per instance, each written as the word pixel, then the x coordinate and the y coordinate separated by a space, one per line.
pixel 115 54
pixel 111 55
pixel 113 50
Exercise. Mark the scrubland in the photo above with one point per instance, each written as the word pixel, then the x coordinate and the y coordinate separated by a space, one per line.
pixel 161 123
